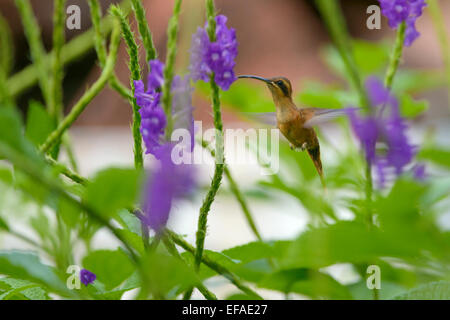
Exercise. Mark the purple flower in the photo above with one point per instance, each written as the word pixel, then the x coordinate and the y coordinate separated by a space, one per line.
pixel 167 184
pixel 87 277
pixel 214 57
pixel 153 118
pixel 398 11
pixel 383 125
pixel 419 172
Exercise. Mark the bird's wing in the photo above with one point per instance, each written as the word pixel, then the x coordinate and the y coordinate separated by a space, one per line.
pixel 269 118
pixel 318 116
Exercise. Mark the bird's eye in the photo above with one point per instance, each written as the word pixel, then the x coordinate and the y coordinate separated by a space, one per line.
pixel 280 83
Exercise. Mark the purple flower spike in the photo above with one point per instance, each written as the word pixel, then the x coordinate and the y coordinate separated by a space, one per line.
pixel 214 57
pixel 398 11
pixel 153 118
pixel 386 126
pixel 87 277
pixel 167 184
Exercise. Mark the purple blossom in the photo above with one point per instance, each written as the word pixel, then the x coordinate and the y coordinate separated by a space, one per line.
pixel 168 183
pixel 214 57
pixel 419 172
pixel 87 277
pixel 383 125
pixel 153 118
pixel 398 11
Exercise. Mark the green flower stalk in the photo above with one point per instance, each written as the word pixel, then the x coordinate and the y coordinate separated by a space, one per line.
pixel 33 35
pixel 135 70
pixel 56 89
pixel 172 34
pixel 396 56
pixel 100 46
pixel 6 54
pixel 90 94
pixel 144 30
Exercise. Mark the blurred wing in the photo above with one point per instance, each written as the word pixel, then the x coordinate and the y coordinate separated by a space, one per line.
pixel 269 118
pixel 318 116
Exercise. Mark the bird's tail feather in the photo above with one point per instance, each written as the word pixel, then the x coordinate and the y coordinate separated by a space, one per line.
pixel 314 153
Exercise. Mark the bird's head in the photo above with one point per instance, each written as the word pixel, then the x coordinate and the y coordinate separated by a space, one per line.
pixel 280 87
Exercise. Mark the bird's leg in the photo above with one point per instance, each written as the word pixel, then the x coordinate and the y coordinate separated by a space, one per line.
pixel 304 146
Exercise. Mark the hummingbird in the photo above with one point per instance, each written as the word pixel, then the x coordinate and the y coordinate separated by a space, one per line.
pixel 296 124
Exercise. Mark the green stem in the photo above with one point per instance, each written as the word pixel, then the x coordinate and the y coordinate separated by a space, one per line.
pixel 6 61
pixel 214 265
pixel 56 87
pixel 71 51
pixel 219 153
pixel 6 47
pixel 237 193
pixel 144 30
pixel 217 178
pixel 439 25
pixel 334 19
pixel 99 39
pixel 170 246
pixel 396 56
pixel 369 192
pixel 33 35
pixel 172 34
pixel 66 171
pixel 135 70
pixel 79 107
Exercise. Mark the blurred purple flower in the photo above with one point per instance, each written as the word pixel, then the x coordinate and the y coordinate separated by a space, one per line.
pixel 383 124
pixel 419 172
pixel 153 118
pixel 398 11
pixel 167 184
pixel 214 57
pixel 87 277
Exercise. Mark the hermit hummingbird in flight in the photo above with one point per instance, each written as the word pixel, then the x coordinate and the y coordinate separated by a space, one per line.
pixel 296 124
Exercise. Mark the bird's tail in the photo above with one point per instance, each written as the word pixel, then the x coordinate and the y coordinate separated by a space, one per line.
pixel 314 153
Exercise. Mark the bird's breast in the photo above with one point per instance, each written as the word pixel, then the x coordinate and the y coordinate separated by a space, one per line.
pixel 294 131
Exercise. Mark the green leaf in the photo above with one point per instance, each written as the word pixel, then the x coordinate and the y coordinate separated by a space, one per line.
pixel 6 176
pixel 411 108
pixel 307 282
pixel 11 133
pixel 167 274
pixel 27 266
pixel 437 155
pixel 21 288
pixel 3 225
pixel 250 251
pixel 113 189
pixel 112 267
pixel 70 214
pixel 370 57
pixel 39 124
pixel 345 241
pixel 388 289
pixel 439 290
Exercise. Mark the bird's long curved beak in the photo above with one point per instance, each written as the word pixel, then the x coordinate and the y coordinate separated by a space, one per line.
pixel 255 77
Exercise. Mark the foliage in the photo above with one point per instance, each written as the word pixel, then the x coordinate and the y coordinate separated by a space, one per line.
pixel 398 229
